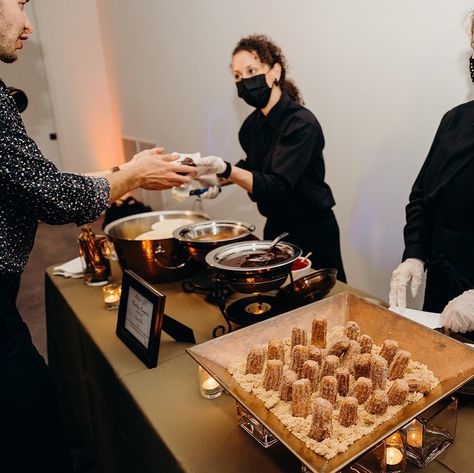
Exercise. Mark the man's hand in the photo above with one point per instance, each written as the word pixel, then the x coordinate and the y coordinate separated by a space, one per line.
pixel 458 315
pixel 149 169
pixel 412 269
pixel 156 171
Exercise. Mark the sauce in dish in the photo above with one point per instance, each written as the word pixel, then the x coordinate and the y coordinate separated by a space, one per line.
pixel 216 237
pixel 256 259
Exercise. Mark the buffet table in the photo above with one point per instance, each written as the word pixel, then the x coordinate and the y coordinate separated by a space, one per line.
pixel 134 419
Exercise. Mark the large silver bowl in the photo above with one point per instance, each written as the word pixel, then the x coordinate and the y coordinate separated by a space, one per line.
pixel 258 273
pixel 161 260
pixel 202 237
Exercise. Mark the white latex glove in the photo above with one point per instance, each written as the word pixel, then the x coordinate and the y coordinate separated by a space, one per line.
pixel 210 165
pixel 195 157
pixel 211 182
pixel 458 315
pixel 411 269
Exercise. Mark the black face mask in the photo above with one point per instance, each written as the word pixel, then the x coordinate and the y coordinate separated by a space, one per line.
pixel 254 91
pixel 471 68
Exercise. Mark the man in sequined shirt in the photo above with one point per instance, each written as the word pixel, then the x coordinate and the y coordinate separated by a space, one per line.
pixel 33 190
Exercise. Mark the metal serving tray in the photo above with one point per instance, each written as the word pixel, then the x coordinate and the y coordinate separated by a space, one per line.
pixel 451 361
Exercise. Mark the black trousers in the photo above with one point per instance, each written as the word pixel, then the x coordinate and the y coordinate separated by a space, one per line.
pixel 31 438
pixel 317 233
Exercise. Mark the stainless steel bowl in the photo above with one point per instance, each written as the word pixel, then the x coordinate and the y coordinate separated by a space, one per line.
pixel 257 273
pixel 202 237
pixel 160 260
pixel 310 288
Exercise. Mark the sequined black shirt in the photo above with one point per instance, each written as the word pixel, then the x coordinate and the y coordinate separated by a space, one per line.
pixel 33 190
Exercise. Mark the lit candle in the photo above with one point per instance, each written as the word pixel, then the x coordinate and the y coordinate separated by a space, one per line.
pixel 210 386
pixel 111 294
pixel 393 456
pixel 111 298
pixel 415 434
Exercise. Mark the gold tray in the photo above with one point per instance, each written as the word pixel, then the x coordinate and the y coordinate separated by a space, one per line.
pixel 451 361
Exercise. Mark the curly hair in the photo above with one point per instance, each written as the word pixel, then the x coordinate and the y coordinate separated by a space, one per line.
pixel 269 53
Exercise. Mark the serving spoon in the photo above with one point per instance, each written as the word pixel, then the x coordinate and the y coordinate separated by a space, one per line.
pixel 275 241
pixel 267 254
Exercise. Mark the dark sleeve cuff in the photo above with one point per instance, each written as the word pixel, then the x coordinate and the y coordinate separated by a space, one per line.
pixel 227 171
pixel 414 251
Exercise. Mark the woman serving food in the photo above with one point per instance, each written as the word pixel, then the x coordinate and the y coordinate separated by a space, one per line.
pixel 283 171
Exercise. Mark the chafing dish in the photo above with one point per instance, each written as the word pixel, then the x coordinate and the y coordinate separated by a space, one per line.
pixel 248 267
pixel 202 237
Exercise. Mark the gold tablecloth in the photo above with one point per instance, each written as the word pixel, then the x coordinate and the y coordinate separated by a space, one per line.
pixel 134 419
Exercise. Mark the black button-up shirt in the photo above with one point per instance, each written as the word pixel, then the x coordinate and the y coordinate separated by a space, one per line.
pixel 33 189
pixel 442 194
pixel 285 155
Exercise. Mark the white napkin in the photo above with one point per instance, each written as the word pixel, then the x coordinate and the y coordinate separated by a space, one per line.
pixel 71 269
pixel 428 319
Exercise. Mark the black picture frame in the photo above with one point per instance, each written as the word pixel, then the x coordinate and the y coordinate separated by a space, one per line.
pixel 140 318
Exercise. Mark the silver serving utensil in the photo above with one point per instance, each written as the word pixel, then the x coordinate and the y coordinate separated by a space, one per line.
pixel 266 255
pixel 276 240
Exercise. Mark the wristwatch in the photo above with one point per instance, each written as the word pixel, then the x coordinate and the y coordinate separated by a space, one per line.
pixel 227 171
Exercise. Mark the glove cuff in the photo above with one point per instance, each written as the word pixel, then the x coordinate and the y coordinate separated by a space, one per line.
pixel 227 171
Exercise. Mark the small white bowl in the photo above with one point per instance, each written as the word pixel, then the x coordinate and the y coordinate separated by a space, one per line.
pixel 299 273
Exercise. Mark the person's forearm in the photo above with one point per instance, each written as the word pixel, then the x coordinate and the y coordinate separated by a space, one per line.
pixel 107 172
pixel 121 182
pixel 242 178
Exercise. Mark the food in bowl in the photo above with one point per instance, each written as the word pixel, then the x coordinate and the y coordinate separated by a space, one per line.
pixel 215 237
pixel 300 263
pixel 163 229
pixel 256 259
pixel 202 237
pixel 248 266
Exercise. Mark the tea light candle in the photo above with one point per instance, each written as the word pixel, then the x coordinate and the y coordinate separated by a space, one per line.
pixel 393 456
pixel 395 453
pixel 111 298
pixel 415 434
pixel 208 386
pixel 111 293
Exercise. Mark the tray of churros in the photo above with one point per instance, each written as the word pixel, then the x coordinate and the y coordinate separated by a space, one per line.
pixel 333 378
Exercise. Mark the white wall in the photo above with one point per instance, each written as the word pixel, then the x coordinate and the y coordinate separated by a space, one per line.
pixel 377 74
pixel 29 75
pixel 87 121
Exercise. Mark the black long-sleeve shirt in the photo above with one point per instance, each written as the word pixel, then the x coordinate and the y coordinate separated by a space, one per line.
pixel 443 192
pixel 33 189
pixel 284 152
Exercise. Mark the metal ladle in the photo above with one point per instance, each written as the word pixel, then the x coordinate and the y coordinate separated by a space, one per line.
pixel 267 255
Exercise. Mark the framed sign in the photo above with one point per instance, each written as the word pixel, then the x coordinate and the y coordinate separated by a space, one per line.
pixel 140 318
